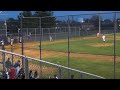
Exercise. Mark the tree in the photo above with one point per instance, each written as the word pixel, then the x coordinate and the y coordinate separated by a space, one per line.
pixel 26 22
pixel 12 25
pixel 47 20
pixel 95 19
pixel 87 20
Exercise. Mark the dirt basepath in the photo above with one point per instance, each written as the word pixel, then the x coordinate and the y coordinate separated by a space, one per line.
pixel 45 53
pixel 101 44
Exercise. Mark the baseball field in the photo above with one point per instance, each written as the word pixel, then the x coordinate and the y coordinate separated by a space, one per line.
pixel 88 54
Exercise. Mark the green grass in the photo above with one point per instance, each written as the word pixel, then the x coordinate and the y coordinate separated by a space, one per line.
pixel 81 46
pixel 103 68
pixel 117 34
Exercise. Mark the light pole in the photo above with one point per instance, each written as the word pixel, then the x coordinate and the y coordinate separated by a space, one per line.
pixel 6 27
pixel 115 28
pixel 69 46
pixel 99 23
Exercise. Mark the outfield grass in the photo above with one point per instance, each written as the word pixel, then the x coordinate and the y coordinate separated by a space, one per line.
pixel 104 69
pixel 117 34
pixel 101 68
pixel 82 46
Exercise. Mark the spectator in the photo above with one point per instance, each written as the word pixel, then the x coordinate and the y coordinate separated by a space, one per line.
pixel 55 77
pixel 8 64
pixel 21 72
pixel 72 76
pixel 36 75
pixel 30 75
pixel 17 67
pixel 12 73
pixel 4 75
pixel 7 75
pixel 1 75
pixel 23 76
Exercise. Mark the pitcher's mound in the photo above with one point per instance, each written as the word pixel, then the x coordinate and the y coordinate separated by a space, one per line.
pixel 101 44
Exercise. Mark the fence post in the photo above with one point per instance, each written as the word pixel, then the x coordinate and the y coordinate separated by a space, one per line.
pixel 27 32
pixel 55 33
pixel 42 34
pixel 81 76
pixel 12 51
pixel 79 31
pixel 40 46
pixel 35 34
pixel 26 68
pixel 115 27
pixel 69 29
pixel 40 70
pixel 3 58
pixel 59 72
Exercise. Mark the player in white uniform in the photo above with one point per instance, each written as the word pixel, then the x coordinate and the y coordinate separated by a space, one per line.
pixel 51 38
pixel 103 38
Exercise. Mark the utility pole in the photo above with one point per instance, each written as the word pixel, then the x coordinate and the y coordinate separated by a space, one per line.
pixel 99 23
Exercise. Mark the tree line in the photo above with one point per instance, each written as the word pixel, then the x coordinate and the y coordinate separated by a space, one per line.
pixel 14 24
pixel 50 21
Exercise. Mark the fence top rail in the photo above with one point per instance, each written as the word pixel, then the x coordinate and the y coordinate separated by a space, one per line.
pixel 77 14
pixel 26 57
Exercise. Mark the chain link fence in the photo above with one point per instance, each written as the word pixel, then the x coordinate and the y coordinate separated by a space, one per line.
pixel 47 70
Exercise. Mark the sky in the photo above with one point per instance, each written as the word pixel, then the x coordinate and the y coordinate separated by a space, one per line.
pixel 14 14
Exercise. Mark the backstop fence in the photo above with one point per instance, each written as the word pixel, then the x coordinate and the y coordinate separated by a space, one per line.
pixel 58 26
pixel 47 69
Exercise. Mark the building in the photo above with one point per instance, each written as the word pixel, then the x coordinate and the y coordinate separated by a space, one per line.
pixel 87 26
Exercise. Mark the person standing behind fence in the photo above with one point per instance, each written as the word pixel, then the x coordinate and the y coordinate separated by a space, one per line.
pixel 12 73
pixel 17 67
pixel 55 77
pixel 36 75
pixel 30 74
pixel 4 75
pixel 8 64
pixel 21 74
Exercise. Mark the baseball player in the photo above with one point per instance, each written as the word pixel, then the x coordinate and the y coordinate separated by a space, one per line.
pixel 103 38
pixel 51 38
